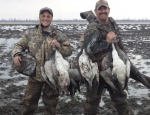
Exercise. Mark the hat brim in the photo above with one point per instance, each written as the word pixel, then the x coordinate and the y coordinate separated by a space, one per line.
pixel 102 5
pixel 45 10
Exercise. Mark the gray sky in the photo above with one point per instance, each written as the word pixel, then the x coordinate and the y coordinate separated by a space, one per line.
pixel 70 9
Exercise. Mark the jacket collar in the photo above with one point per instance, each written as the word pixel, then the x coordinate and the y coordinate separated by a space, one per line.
pixel 49 31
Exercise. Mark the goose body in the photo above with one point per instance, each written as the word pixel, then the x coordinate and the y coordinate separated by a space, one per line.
pixel 62 67
pixel 49 72
pixel 55 72
pixel 88 69
pixel 125 59
pixel 121 67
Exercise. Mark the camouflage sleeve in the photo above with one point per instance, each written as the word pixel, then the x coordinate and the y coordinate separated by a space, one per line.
pixel 21 45
pixel 94 42
pixel 66 48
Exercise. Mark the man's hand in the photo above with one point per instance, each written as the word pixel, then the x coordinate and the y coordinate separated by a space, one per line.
pixel 110 37
pixel 56 43
pixel 17 60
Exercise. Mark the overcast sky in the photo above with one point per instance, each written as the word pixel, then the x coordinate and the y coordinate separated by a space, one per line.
pixel 70 9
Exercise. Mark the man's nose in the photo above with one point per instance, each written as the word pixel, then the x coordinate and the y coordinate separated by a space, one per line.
pixel 45 18
pixel 103 10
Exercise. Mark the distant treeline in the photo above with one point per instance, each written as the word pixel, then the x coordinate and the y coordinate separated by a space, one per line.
pixel 59 20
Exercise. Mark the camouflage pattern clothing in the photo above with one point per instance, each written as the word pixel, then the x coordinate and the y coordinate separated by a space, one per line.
pixel 36 84
pixel 32 36
pixel 93 98
pixel 96 47
pixel 33 91
pixel 94 39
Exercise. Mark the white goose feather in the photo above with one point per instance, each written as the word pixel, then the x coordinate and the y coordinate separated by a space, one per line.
pixel 88 69
pixel 62 67
pixel 121 69
pixel 55 71
pixel 49 72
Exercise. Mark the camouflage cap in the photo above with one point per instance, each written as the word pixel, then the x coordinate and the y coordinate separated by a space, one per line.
pixel 101 3
pixel 46 9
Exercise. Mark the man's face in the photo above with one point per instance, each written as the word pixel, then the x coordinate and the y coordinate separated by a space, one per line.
pixel 102 13
pixel 45 18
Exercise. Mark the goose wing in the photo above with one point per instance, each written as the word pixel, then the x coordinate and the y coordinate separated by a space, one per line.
pixel 107 61
pixel 87 68
pixel 45 77
pixel 49 72
pixel 62 66
pixel 107 75
pixel 95 70
pixel 75 81
pixel 128 69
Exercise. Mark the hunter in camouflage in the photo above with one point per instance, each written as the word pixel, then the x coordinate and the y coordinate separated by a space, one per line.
pixel 52 38
pixel 32 36
pixel 98 37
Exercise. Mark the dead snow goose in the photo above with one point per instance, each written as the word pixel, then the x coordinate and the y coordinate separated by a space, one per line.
pixel 88 69
pixel 127 62
pixel 55 72
pixel 62 67
pixel 49 72
pixel 121 69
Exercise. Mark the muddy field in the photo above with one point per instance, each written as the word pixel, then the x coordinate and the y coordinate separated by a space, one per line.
pixel 136 38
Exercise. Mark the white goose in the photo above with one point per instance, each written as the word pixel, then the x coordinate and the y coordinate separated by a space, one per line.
pixel 121 67
pixel 88 69
pixel 55 71
pixel 49 71
pixel 62 66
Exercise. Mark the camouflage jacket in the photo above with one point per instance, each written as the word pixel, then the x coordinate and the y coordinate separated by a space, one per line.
pixel 95 43
pixel 32 36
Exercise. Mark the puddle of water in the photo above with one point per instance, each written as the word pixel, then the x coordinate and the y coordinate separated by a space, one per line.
pixel 140 63
pixel 138 92
pixel 5 74
pixel 79 96
pixel 21 83
pixel 139 102
pixel 9 43
pixel 67 100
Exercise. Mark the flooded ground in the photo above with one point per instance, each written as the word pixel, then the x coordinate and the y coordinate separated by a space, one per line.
pixel 136 38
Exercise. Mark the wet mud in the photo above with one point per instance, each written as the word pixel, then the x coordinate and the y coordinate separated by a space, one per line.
pixel 136 38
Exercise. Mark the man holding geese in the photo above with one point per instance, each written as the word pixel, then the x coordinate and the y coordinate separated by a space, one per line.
pixel 103 48
pixel 43 41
